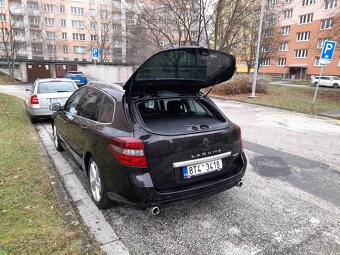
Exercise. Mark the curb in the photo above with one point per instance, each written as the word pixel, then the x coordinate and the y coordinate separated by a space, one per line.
pixel 64 182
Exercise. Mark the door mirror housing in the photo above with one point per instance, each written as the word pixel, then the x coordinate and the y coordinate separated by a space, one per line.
pixel 55 107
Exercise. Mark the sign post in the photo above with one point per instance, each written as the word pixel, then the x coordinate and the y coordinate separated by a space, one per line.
pixel 95 56
pixel 325 58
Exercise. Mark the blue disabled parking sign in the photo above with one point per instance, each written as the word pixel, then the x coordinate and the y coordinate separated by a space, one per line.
pixel 95 53
pixel 328 50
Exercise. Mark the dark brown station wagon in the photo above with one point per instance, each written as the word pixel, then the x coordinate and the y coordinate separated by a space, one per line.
pixel 158 139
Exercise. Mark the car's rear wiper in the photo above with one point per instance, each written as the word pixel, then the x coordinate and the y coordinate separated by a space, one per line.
pixel 63 91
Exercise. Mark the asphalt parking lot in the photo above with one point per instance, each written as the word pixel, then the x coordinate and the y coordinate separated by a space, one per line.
pixel 289 203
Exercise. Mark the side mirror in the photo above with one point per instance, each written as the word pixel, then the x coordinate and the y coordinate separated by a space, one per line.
pixel 55 107
pixel 28 89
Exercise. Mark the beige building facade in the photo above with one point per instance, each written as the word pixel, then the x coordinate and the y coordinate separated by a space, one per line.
pixel 67 30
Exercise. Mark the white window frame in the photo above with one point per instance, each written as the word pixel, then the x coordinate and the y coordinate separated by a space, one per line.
pixel 326 24
pixel 49 22
pixel 48 8
pixel 281 61
pixel 63 22
pixel 301 53
pixel 77 10
pixel 283 46
pixel 317 61
pixel 285 30
pixel 306 18
pixel 303 36
pixel 287 14
pixel 78 24
pixel 79 49
pixel 64 35
pixel 331 4
pixel 65 49
pixel 3 17
pixel 307 2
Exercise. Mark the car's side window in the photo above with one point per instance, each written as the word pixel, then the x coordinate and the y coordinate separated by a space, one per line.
pixel 72 102
pixel 106 112
pixel 96 108
pixel 87 103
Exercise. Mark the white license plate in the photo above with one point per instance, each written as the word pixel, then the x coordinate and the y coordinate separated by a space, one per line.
pixel 203 168
pixel 55 100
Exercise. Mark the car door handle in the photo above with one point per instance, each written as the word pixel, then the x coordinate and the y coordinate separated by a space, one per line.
pixel 83 127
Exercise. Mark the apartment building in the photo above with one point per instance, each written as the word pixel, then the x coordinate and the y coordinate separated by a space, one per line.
pixel 303 26
pixel 66 30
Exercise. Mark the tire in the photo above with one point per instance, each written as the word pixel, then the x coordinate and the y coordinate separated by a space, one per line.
pixel 335 85
pixel 56 140
pixel 97 187
pixel 315 84
pixel 33 119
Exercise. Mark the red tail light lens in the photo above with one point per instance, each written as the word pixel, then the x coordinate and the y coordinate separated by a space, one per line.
pixel 34 99
pixel 129 151
pixel 238 135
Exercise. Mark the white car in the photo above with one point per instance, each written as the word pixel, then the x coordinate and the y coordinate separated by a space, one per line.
pixel 45 92
pixel 329 81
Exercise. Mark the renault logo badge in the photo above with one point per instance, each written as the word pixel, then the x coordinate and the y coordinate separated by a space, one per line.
pixel 206 144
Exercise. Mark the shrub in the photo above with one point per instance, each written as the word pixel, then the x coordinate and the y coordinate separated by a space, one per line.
pixel 242 84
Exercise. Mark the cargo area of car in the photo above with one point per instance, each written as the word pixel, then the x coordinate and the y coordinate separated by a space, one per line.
pixel 171 116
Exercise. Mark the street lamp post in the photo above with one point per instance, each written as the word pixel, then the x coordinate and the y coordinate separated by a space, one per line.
pixel 253 89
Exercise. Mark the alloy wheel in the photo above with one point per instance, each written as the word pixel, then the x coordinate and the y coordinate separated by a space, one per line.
pixel 95 182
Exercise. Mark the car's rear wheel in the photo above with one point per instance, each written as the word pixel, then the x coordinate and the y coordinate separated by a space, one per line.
pixel 335 85
pixel 56 139
pixel 97 187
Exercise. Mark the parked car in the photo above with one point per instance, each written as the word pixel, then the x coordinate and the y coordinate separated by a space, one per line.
pixel 78 77
pixel 45 92
pixel 329 81
pixel 160 139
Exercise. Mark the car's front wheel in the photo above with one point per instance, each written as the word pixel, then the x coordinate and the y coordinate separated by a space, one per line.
pixel 97 187
pixel 335 85
pixel 315 84
pixel 56 139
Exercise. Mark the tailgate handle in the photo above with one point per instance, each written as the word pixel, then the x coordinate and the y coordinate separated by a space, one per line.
pixel 83 127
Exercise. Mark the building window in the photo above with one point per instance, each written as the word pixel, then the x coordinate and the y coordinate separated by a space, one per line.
pixel 266 48
pixel 287 14
pixel 50 35
pixel 51 48
pixel 91 1
pixel 272 2
pixel 65 48
pixel 64 36
pixel 93 38
pixel 285 30
pixel 116 27
pixel 308 18
pixel 77 10
pixel 78 37
pixel 3 31
pixel 62 8
pixel 49 22
pixel 93 25
pixel 307 2
pixel 78 24
pixel 79 49
pixel 320 42
pixel 104 26
pixel 2 17
pixel 48 8
pixel 104 14
pixel 281 61
pixel 301 53
pixel 104 1
pixel 92 12
pixel 303 36
pixel 270 18
pixel 268 33
pixel 265 62
pixel 288 1
pixel 317 61
pixel 2 3
pixel 283 46
pixel 104 38
pixel 63 22
pixel 326 24
pixel 330 4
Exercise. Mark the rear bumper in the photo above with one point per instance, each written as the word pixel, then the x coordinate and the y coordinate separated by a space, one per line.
pixel 148 195
pixel 40 112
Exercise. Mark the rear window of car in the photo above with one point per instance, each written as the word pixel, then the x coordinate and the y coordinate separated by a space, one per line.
pixel 55 87
pixel 76 74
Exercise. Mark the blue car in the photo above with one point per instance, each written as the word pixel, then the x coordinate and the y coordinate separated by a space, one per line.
pixel 78 77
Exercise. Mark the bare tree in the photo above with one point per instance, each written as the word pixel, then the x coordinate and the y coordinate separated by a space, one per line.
pixel 12 38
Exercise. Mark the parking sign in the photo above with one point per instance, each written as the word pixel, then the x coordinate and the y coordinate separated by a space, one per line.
pixel 95 53
pixel 328 50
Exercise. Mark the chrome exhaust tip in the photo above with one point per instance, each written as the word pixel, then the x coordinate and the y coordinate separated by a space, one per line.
pixel 154 210
pixel 239 183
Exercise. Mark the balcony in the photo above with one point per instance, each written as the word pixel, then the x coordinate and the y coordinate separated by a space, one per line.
pixel 37 53
pixel 18 24
pixel 35 26
pixel 33 12
pixel 36 40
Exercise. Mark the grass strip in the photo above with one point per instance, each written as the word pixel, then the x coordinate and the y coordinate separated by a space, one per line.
pixel 30 221
pixel 294 98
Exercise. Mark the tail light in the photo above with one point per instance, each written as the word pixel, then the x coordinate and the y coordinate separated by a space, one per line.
pixel 238 135
pixel 34 99
pixel 129 151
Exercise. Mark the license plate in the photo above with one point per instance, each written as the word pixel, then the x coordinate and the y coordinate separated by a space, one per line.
pixel 203 168
pixel 54 100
